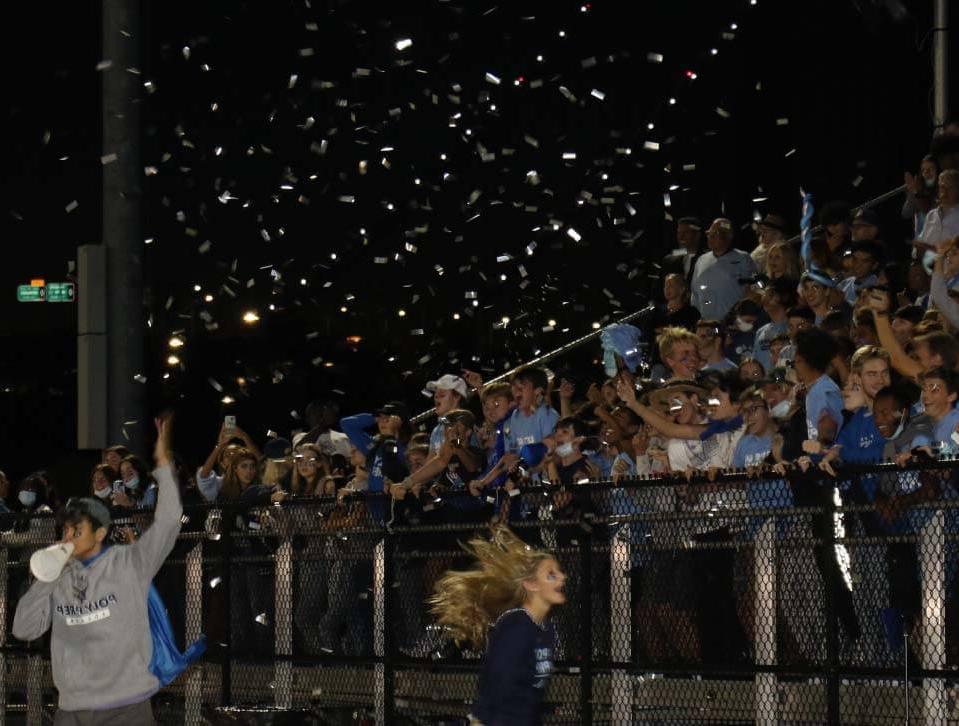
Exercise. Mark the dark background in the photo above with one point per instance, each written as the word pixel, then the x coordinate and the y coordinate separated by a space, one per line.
pixel 854 85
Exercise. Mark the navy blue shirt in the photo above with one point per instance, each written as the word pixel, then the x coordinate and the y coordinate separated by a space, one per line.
pixel 513 679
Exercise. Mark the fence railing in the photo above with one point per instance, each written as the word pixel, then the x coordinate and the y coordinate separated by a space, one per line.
pixel 780 599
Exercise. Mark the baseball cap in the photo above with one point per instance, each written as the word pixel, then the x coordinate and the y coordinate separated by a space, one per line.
pixel 78 507
pixel 394 408
pixel 818 276
pixel 449 382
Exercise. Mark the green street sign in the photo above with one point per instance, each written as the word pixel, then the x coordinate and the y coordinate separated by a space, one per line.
pixel 60 292
pixel 30 293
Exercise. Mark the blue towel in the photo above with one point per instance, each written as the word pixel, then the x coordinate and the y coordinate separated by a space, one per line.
pixel 167 661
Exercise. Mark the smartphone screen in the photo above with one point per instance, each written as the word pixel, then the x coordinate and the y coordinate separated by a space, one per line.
pixel 229 422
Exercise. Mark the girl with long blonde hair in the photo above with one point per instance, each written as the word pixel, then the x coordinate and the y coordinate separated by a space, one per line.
pixel 512 588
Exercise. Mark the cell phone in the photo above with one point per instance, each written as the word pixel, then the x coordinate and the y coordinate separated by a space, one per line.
pixel 118 486
pixel 229 422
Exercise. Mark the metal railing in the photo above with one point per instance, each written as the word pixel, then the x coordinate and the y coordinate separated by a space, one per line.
pixel 736 600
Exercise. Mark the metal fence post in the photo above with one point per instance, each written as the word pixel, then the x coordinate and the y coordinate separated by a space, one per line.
pixel 34 690
pixel 283 644
pixel 586 612
pixel 932 559
pixel 764 624
pixel 620 627
pixel 226 662
pixel 193 697
pixel 379 631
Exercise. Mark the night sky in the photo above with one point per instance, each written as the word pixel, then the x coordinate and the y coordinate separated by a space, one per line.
pixel 457 184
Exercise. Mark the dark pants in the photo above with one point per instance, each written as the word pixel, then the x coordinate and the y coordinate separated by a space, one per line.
pixel 139 714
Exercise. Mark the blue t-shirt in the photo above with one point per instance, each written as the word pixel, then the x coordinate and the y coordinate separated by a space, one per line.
pixel 941 431
pixel 436 437
pixel 862 443
pixel 765 493
pixel 512 682
pixel 822 398
pixel 751 450
pixel 521 429
pixel 765 336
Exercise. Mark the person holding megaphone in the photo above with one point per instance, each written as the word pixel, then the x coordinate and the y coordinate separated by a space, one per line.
pixel 95 599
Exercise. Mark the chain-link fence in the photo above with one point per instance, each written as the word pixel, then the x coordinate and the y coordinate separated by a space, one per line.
pixel 791 598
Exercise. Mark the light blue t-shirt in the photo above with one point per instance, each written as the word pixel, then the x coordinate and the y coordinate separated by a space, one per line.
pixel 716 285
pixel 823 397
pixel 436 437
pixel 765 336
pixel 751 450
pixel 521 429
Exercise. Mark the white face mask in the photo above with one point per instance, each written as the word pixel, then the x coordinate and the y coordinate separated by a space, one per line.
pixel 103 493
pixel 743 326
pixel 27 498
pixel 564 450
pixel 781 409
pixel 930 183
pixel 133 483
pixel 899 429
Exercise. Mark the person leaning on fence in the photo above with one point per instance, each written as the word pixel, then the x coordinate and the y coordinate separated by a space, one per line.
pixel 101 646
pixel 513 588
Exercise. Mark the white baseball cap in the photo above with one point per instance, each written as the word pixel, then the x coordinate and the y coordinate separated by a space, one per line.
pixel 449 382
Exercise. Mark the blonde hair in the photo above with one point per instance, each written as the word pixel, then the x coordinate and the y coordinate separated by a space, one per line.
pixel 868 353
pixel 670 336
pixel 790 258
pixel 468 602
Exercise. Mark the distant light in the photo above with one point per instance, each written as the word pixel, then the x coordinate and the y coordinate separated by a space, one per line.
pixel 672 101
pixel 443 157
pixel 241 381
pixel 714 51
pixel 505 320
pixel 456 316
pixel 303 281
pixel 363 231
pixel 38 282
pixel 197 288
pixel 403 43
pixel 208 298
pixel 328 364
pixel 562 34
pixel 650 126
pixel 250 317
pixel 272 307
pixel 502 278
pixel 401 313
pixel 227 400
pixel 172 361
pixel 176 342
pixel 691 75
pixel 551 323
pixel 332 255
pixel 733 26
pixel 343 309
pixel 596 326
pixel 354 339
pixel 539 58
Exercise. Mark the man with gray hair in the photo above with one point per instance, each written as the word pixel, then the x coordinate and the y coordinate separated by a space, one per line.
pixel 721 274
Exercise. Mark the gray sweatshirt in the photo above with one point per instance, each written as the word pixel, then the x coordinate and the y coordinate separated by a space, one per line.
pixel 101 644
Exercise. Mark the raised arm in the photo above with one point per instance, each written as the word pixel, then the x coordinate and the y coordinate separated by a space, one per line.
pixel 879 304
pixel 659 422
pixel 148 553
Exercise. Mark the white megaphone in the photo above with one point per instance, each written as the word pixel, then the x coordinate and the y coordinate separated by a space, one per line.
pixel 47 564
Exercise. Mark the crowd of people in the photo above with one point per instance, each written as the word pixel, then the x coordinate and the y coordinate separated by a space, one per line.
pixel 765 360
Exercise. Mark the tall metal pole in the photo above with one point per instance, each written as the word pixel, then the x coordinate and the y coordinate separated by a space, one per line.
pixel 941 62
pixel 122 172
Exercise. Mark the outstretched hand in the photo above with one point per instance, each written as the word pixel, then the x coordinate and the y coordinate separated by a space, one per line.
pixel 162 452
